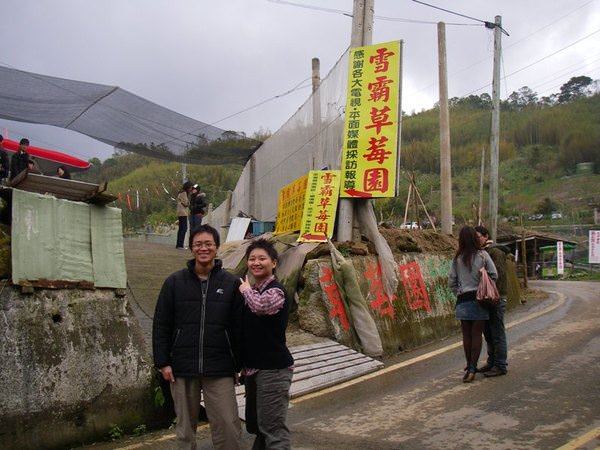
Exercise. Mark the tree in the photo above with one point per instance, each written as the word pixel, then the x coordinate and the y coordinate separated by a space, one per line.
pixel 525 96
pixel 546 206
pixel 576 87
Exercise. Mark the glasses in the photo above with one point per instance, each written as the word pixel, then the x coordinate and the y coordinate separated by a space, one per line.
pixel 203 245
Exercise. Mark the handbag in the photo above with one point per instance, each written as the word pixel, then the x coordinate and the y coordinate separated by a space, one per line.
pixel 487 292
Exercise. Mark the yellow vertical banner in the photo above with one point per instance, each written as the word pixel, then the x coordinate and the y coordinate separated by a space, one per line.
pixel 320 205
pixel 371 129
pixel 290 205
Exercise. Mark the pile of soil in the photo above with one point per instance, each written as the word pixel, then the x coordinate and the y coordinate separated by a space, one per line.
pixel 419 241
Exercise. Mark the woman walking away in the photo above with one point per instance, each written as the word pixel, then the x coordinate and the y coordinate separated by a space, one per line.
pixel 183 202
pixel 464 279
pixel 265 356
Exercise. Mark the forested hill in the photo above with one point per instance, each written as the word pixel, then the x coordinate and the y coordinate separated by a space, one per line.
pixel 541 142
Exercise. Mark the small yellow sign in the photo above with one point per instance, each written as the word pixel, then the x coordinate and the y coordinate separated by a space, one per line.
pixel 320 205
pixel 291 205
pixel 370 146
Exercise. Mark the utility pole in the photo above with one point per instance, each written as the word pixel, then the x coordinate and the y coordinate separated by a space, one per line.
pixel 445 164
pixel 318 157
pixel 184 172
pixel 362 32
pixel 481 177
pixel 494 140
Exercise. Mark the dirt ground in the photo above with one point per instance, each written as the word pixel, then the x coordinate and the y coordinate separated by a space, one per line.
pixel 422 241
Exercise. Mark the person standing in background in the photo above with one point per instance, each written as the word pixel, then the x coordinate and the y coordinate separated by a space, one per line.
pixel 20 160
pixel 494 331
pixel 183 203
pixel 464 279
pixel 197 206
pixel 4 165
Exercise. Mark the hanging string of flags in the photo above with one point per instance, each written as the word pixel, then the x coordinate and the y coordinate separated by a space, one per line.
pixel 135 198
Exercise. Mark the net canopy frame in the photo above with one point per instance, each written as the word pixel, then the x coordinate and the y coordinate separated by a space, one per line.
pixel 119 118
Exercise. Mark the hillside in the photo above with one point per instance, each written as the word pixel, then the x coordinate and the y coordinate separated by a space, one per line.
pixel 540 146
pixel 541 142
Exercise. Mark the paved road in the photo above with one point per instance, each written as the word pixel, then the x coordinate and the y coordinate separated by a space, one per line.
pixel 550 396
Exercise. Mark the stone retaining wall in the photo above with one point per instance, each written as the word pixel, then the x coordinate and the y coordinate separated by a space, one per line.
pixel 422 309
pixel 73 365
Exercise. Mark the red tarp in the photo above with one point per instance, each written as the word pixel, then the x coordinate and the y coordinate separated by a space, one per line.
pixel 49 155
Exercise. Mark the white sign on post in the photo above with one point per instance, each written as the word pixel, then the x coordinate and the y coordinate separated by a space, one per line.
pixel 594 251
pixel 560 258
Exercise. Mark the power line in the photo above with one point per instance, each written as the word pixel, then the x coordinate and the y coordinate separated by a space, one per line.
pixel 487 24
pixel 283 94
pixel 487 58
pixel 349 14
pixel 536 62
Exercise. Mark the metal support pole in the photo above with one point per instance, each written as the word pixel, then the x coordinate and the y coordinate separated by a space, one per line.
pixel 318 156
pixel 445 160
pixel 252 186
pixel 495 137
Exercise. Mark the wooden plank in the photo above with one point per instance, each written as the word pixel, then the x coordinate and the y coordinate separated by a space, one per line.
pixel 324 344
pixel 320 371
pixel 318 366
pixel 327 357
pixel 331 379
pixel 327 351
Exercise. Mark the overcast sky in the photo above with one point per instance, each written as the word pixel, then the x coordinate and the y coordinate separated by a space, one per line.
pixel 208 59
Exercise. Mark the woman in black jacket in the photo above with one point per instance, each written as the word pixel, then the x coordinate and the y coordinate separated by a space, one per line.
pixel 267 361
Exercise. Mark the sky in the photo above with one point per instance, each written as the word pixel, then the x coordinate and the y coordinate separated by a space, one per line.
pixel 209 59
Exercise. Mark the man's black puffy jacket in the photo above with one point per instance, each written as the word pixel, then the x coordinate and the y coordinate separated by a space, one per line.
pixel 195 336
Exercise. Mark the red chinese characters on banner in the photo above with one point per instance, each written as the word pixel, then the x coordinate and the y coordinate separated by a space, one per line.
pixel 324 203
pixel 380 91
pixel 335 299
pixel 414 286
pixel 379 119
pixel 382 303
pixel 376 150
pixel 380 59
pixel 376 180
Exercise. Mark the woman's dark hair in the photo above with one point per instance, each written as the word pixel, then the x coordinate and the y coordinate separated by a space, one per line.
pixel 467 245
pixel 187 185
pixel 265 245
pixel 205 229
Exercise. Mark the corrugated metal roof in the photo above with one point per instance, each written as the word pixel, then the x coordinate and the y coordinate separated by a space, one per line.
pixel 62 188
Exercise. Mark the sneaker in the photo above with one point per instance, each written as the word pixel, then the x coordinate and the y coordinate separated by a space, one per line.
pixel 485 368
pixel 495 372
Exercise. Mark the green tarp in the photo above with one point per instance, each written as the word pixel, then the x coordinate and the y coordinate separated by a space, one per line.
pixel 60 240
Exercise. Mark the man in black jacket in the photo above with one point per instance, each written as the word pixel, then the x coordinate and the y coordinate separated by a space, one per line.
pixel 3 162
pixel 196 334
pixel 20 160
pixel 495 331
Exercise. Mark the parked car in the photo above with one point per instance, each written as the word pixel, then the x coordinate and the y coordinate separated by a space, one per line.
pixel 556 215
pixel 410 226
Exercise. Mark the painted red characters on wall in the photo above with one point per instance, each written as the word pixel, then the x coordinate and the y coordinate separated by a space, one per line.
pixel 382 303
pixel 333 296
pixel 414 286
